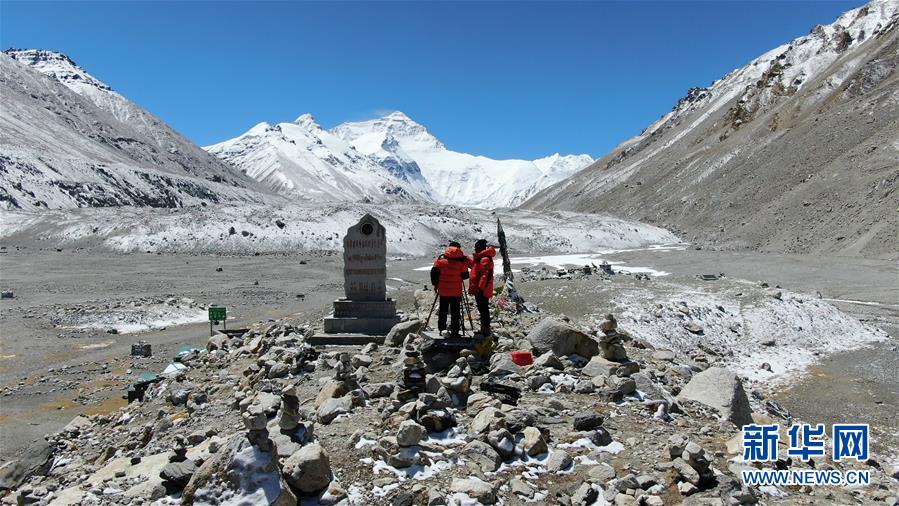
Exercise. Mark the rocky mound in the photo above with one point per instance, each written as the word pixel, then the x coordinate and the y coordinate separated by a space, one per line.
pixel 262 417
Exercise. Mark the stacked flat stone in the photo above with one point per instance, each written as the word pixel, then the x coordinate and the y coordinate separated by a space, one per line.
pixel 257 433
pixel 412 377
pixel 290 410
pixel 343 370
pixel 610 343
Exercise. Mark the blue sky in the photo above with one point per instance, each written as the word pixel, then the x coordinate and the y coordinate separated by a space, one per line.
pixel 503 79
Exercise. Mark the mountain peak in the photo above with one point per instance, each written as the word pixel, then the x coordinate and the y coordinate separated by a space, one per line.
pixel 33 55
pixel 57 65
pixel 307 121
pixel 398 116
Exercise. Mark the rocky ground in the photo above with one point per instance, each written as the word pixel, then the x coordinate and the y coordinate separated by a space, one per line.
pixel 266 417
pixel 618 415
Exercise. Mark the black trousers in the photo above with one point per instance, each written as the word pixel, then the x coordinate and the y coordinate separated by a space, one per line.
pixel 454 306
pixel 483 304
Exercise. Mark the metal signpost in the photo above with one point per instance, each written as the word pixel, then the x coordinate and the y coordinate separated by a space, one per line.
pixel 217 314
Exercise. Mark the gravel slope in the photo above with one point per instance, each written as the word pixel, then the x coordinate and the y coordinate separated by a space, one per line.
pixel 796 152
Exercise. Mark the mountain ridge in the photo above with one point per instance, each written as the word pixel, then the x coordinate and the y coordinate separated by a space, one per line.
pixel 460 178
pixel 63 145
pixel 795 152
pixel 415 165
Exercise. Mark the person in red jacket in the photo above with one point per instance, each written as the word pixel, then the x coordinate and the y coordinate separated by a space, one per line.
pixel 481 284
pixel 449 270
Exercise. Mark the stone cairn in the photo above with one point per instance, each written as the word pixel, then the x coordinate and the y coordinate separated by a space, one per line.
pixel 257 433
pixel 458 381
pixel 290 410
pixel 412 380
pixel 610 343
pixel 343 369
pixel 179 451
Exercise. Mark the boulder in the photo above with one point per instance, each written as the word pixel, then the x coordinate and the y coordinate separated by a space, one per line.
pixel 664 355
pixel 646 481
pixel 538 380
pixel 584 495
pixel 178 474
pixel 501 364
pixel 599 366
pixel 376 390
pixel 584 387
pixel 269 402
pixel 548 360
pixel 562 339
pixel 503 442
pixel 676 444
pixel 475 488
pixel 601 473
pixel 722 390
pixel 331 390
pixel 423 300
pixel 290 410
pixel 587 420
pixel 612 347
pixel 278 370
pixel 559 460
pixel 482 456
pixel 244 472
pixel 488 419
pixel 308 470
pixel 622 385
pixel 685 471
pixel 33 461
pixel 687 488
pixel 332 408
pixel 398 333
pixel 77 424
pixel 217 342
pixel 410 433
pixel 533 442
pixel 650 389
pixel 521 488
pixel 361 360
pixel 519 418
pixel 600 436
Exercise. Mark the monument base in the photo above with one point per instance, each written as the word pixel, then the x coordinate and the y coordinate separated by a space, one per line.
pixel 374 318
pixel 344 340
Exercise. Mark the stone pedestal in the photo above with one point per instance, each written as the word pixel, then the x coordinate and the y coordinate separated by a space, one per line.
pixel 362 317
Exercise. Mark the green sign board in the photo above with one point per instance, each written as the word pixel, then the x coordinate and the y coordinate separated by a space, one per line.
pixel 216 314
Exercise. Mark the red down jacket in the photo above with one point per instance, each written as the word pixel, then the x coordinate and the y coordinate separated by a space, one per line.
pixel 451 264
pixel 482 272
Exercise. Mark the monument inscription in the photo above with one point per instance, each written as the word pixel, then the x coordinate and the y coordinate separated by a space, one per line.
pixel 365 260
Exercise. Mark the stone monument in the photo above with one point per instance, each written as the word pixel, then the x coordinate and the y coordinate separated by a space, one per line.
pixel 366 309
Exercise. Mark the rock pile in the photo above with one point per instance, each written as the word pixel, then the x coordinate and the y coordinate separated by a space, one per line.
pixel 266 418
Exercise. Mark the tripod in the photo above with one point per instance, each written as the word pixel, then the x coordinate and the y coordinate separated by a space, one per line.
pixel 433 304
pixel 467 305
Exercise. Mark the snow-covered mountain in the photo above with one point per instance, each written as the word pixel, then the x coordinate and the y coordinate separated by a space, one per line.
pixel 306 162
pixel 458 178
pixel 796 151
pixel 385 159
pixel 69 140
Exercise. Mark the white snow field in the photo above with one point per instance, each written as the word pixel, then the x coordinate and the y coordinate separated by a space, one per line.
pixel 412 230
pixel 745 325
